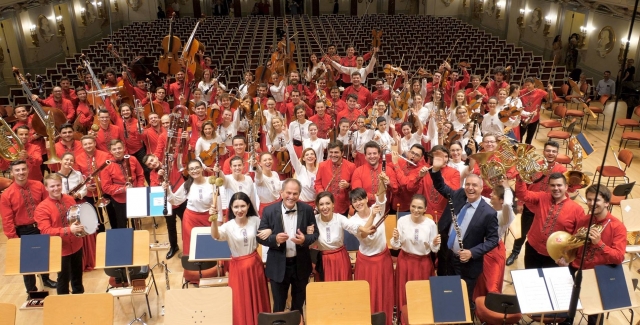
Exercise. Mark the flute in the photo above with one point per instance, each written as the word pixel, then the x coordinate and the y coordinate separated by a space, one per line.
pixel 407 160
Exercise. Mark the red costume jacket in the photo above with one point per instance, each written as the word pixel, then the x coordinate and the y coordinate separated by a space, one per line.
pixel 84 164
pixel 51 216
pixel 325 175
pixel 408 176
pixel 450 90
pixel 113 179
pixel 65 105
pixel 367 178
pixel 436 203
pixel 611 248
pixel 364 96
pixel 324 123
pixel 18 204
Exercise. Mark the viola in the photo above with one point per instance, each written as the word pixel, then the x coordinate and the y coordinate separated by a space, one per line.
pixel 508 112
pixel 168 63
pixel 389 69
pixel 377 35
pixel 284 165
pixel 208 157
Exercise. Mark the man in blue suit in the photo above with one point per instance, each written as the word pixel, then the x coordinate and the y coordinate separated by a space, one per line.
pixel 288 259
pixel 478 227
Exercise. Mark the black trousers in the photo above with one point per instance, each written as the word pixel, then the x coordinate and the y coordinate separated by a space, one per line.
pixel 139 155
pixel 172 230
pixel 279 290
pixel 457 266
pixel 535 260
pixel 30 280
pixel 530 130
pixel 71 272
pixel 119 219
pixel 526 219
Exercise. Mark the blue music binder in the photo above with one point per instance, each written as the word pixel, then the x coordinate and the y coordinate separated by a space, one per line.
pixel 119 246
pixel 613 286
pixel 34 253
pixel 208 248
pixel 351 243
pixel 587 148
pixel 447 299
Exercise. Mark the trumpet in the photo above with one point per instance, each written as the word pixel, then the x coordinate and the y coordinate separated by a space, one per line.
pixel 563 244
pixel 10 144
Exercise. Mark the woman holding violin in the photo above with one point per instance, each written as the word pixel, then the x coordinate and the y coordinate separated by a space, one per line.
pixel 464 126
pixel 315 69
pixel 306 168
pixel 209 86
pixel 268 114
pixel 208 138
pixel 299 129
pixel 460 99
pixel 276 144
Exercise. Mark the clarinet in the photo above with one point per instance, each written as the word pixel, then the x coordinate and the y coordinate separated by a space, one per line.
pixel 167 161
pixel 454 219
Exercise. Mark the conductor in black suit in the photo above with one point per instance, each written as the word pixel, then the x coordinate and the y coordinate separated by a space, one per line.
pixel 288 259
pixel 477 222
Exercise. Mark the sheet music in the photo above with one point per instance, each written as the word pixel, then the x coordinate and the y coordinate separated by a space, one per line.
pixel 560 285
pixel 531 291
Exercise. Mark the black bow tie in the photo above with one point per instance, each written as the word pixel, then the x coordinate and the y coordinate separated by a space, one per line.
pixel 290 211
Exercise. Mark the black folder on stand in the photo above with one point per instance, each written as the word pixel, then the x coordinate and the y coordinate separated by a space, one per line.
pixel 612 286
pixel 447 299
pixel 208 248
pixel 34 253
pixel 119 246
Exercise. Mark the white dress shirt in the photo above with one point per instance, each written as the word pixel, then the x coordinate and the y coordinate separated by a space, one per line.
pixel 303 175
pixel 290 228
pixel 471 210
pixel 268 188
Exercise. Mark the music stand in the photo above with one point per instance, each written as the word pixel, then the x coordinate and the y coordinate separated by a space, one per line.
pixel 154 199
pixel 204 248
pixel 591 299
pixel 140 258
pixel 420 304
pixel 14 256
pixel 196 306
pixel 88 308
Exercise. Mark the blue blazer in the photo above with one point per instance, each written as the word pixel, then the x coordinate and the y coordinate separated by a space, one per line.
pixel 482 234
pixel 276 257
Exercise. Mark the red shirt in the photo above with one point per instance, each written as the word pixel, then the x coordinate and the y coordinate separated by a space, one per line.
pixel 70 95
pixel 195 123
pixel 493 87
pixel 166 109
pixel 34 160
pixel 138 93
pixel 407 176
pixel 84 115
pixel 103 137
pixel 304 91
pixel 325 175
pixel 351 115
pixel 430 86
pixel 531 100
pixel 150 138
pixel 290 115
pixel 131 137
pixel 226 166
pixel 470 98
pixel 367 178
pixel 549 216
pixel 18 204
pixel 383 95
pixel 161 145
pixel 364 96
pixel 65 105
pixel 436 203
pixel 51 216
pixel 610 249
pixel 338 106
pixel 84 164
pixel 113 179
pixel 324 123
pixel 75 148
pixel 351 62
pixel 450 90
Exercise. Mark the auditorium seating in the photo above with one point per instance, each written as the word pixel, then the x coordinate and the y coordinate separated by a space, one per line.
pixel 244 43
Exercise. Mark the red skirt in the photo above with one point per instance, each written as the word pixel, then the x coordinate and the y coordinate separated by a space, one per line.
pixel 89 252
pixel 492 276
pixel 192 219
pixel 249 286
pixel 378 271
pixel 336 265
pixel 360 159
pixel 264 205
pixel 410 267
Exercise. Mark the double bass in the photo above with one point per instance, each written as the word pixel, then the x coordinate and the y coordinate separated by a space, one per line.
pixel 189 51
pixel 282 60
pixel 168 63
pixel 125 97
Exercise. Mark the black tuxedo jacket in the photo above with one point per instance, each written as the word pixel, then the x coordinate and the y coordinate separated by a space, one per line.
pixel 276 257
pixel 482 234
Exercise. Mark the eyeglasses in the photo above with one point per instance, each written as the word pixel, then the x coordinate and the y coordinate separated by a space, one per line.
pixel 490 142
pixel 195 169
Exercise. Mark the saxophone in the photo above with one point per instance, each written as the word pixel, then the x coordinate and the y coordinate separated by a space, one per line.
pixel 454 219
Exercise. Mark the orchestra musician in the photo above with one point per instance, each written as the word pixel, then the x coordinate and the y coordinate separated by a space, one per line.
pixel 67 142
pixel 31 154
pixel 333 262
pixel 317 144
pixel 56 100
pixel 151 134
pixel 453 86
pixel 88 161
pixel 367 175
pixel 306 169
pixel 299 129
pixel 208 137
pixel 294 84
pixel 84 111
pixel 239 150
pixel 51 217
pixel 161 94
pixel 361 137
pixel 353 110
pixel 363 95
pixel 498 81
pixel 337 104
pixel 67 92
pixel 477 92
pixel 407 174
pixel 17 206
pixel 237 181
pixel 290 109
pixel 381 94
pixel 267 182
pixel 140 89
pixel 107 131
pixel 321 119
pixel 246 273
pixel 334 176
pixel 288 258
pixel 350 61
pixel 244 88
pixel 474 234
pixel 531 98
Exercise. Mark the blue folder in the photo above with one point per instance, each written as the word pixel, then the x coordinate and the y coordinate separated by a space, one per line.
pixel 351 243
pixel 447 299
pixel 208 248
pixel 119 247
pixel 34 253
pixel 613 286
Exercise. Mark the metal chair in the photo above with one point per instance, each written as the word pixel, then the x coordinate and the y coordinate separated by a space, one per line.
pixel 498 308
pixel 620 192
pixel 625 156
pixel 283 318
pixel 195 271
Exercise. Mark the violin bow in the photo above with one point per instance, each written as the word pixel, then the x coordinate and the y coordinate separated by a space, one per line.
pixel 357 29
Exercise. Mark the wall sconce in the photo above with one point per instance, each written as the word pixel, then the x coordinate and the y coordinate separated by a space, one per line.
pixel 520 19
pixel 83 16
pixel 583 35
pixel 115 5
pixel 478 8
pixel 34 36
pixel 547 25
pixel 100 9
pixel 623 45
pixel 61 30
pixel 498 7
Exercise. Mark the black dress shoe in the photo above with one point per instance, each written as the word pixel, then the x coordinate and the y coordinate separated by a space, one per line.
pixel 50 283
pixel 172 251
pixel 512 258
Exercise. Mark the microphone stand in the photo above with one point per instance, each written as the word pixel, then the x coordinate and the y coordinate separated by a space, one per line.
pixel 577 282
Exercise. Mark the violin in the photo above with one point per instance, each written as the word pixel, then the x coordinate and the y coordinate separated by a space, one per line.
pixel 445 76
pixel 284 165
pixel 321 94
pixel 377 35
pixel 422 73
pixel 151 107
pixel 411 118
pixel 125 97
pixel 168 63
pixel 389 69
pixel 394 111
pixel 208 157
pixel 508 112
pixel 477 101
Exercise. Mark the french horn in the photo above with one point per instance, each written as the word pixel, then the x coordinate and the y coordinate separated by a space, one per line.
pixel 576 176
pixel 491 171
pixel 565 245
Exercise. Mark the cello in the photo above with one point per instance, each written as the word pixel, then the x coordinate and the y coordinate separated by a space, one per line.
pixel 189 51
pixel 282 60
pixel 263 74
pixel 168 63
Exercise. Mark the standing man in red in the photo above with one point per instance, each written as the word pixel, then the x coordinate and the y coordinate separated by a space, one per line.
pixel 106 132
pixel 408 174
pixel 294 84
pixel 132 135
pixel 67 92
pixel 367 176
pixel 352 112
pixel 381 94
pixel 161 96
pixel 498 83
pixel 337 104
pixel 434 84
pixel 453 85
pixel 51 217
pixel 334 175
pixel 531 98
pixel 67 143
pixel 477 92
pixel 553 211
pixel 88 161
pixel 31 154
pixel 322 120
pixel 151 134
pixel 56 100
pixel 17 206
pixel 295 100
pixel 350 61
pixel 364 95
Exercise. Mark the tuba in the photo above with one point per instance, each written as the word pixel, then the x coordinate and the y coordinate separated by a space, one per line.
pixel 10 144
pixel 576 176
pixel 491 171
pixel 563 244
